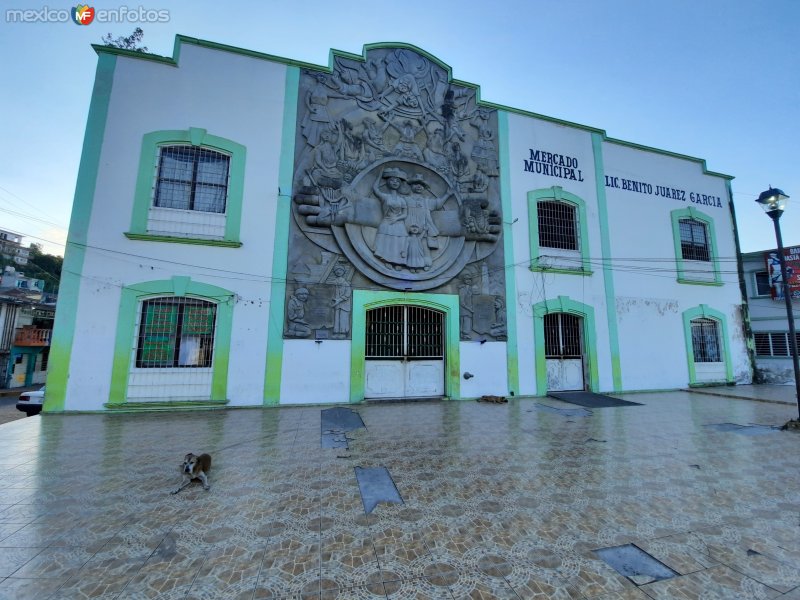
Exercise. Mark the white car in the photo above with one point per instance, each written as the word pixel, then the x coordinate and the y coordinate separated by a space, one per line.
pixel 31 402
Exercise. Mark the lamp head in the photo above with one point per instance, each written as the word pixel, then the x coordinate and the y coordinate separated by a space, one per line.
pixel 772 200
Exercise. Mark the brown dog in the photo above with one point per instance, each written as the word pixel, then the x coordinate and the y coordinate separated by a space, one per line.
pixel 195 467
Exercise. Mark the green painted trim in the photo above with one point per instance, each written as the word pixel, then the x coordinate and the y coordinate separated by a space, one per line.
pixel 563 304
pixel 364 300
pixel 182 39
pixel 608 274
pixel 512 345
pixel 280 245
pixel 146 237
pixel 167 406
pixel 557 193
pixel 77 238
pixel 103 50
pixel 692 213
pixel 562 271
pixel 694 282
pixel 704 311
pixel 145 179
pixel 130 300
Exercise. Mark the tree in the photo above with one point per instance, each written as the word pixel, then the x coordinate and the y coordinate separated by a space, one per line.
pixel 132 42
pixel 44 266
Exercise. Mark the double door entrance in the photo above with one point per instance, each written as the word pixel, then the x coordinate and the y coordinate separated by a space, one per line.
pixel 404 355
pixel 563 347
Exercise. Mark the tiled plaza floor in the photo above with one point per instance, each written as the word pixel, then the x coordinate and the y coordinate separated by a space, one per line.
pixel 500 501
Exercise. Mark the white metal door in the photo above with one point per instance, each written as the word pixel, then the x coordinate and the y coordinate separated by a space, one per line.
pixel 404 352
pixel 563 341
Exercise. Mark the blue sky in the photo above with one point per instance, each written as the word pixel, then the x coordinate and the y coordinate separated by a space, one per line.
pixel 712 79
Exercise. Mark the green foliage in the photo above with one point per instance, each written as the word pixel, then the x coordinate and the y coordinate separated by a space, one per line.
pixel 132 42
pixel 43 266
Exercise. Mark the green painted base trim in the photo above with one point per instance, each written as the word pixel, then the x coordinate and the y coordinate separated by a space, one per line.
pixel 146 237
pixel 695 282
pixel 561 271
pixel 169 405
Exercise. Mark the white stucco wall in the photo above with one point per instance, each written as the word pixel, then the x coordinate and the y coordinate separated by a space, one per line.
pixel 488 365
pixel 241 98
pixel 315 373
pixel 205 91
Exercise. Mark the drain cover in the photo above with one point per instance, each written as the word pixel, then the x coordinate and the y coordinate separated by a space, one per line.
pixel 334 425
pixel 635 564
pixel 743 429
pixel 376 485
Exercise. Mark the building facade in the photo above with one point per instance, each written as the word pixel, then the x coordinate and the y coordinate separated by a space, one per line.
pixel 371 230
pixel 11 247
pixel 770 327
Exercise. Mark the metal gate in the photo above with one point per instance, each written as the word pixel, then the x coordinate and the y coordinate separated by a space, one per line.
pixel 404 352
pixel 563 347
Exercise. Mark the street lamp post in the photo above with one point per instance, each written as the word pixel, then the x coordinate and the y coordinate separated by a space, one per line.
pixel 774 201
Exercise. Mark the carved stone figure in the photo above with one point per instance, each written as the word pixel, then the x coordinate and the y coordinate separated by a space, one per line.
pixel 342 301
pixel 295 314
pixel 498 329
pixel 395 176
pixel 317 118
pixel 391 240
pixel 465 292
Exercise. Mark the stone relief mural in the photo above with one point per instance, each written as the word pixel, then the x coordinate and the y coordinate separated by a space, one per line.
pixel 395 186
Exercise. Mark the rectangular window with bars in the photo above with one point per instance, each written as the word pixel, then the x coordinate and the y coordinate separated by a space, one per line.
pixel 558 225
pixel 705 341
pixel 562 336
pixel 192 178
pixel 410 332
pixel 175 332
pixel 773 343
pixel 694 240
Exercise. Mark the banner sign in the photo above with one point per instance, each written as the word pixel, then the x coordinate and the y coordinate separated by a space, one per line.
pixel 792 258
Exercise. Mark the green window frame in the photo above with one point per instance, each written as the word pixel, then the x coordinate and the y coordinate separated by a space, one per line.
pixel 692 214
pixel 131 301
pixel 147 177
pixel 564 304
pixel 557 194
pixel 703 311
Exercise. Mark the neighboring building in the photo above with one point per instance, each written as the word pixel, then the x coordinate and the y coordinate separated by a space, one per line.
pixel 769 322
pixel 25 334
pixel 299 234
pixel 13 279
pixel 11 247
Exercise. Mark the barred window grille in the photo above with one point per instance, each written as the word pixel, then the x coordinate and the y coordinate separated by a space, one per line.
pixel 192 178
pixel 558 223
pixel 411 332
pixel 705 341
pixel 773 343
pixel 694 240
pixel 763 287
pixel 562 336
pixel 175 332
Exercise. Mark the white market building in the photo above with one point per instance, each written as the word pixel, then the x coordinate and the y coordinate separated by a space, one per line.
pixel 250 230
